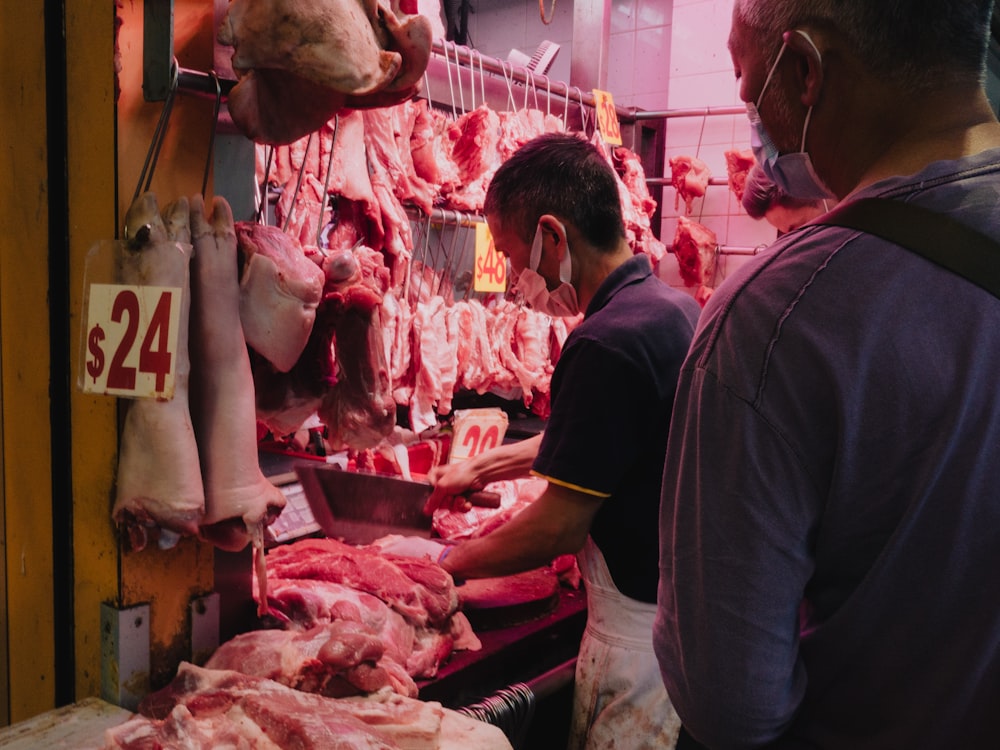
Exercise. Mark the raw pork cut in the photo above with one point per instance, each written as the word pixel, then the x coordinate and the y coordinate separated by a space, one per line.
pixel 159 484
pixel 280 289
pixel 695 246
pixel 299 62
pixel 335 659
pixel 209 708
pixel 689 175
pixel 738 165
pixel 239 500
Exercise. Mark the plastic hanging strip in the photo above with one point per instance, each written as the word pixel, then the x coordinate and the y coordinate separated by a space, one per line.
pixel 298 184
pixel 215 125
pixel 153 154
pixel 324 196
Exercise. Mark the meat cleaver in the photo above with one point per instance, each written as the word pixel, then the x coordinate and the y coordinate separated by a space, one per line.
pixel 359 507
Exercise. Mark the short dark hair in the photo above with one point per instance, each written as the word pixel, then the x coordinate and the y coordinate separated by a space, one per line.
pixel 913 43
pixel 564 175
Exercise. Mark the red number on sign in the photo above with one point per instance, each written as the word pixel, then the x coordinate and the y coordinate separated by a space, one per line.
pixel 157 361
pixel 119 376
pixel 493 265
pixel 472 436
pixel 490 439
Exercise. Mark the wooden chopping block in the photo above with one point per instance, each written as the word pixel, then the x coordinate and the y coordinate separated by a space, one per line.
pixel 503 602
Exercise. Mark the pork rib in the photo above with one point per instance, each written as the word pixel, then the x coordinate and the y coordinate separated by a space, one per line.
pixel 239 501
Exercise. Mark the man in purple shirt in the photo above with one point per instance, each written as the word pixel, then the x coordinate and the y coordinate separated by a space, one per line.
pixel 830 519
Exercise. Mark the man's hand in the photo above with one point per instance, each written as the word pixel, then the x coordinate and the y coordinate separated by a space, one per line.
pixel 412 546
pixel 450 481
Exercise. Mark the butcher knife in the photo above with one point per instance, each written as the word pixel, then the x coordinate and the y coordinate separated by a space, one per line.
pixel 359 507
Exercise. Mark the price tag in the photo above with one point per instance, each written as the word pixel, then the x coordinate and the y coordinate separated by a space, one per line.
pixel 476 431
pixel 607 118
pixel 490 274
pixel 131 340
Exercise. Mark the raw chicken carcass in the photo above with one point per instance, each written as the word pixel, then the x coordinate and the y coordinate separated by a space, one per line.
pixel 695 246
pixel 689 176
pixel 159 484
pixel 738 165
pixel 301 61
pixel 279 291
pixel 239 500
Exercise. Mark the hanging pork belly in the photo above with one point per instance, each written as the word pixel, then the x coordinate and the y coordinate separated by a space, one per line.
pixel 301 61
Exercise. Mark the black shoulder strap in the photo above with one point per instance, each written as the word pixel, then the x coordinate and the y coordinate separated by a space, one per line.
pixel 936 236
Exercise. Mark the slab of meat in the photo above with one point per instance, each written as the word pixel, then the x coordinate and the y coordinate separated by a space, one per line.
pixel 421 591
pixel 239 500
pixel 280 289
pixel 738 165
pixel 301 62
pixel 689 176
pixel 335 659
pixel 358 410
pixel 159 483
pixel 205 708
pixel 695 246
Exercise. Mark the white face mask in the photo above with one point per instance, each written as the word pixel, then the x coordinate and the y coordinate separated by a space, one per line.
pixel 793 173
pixel 561 302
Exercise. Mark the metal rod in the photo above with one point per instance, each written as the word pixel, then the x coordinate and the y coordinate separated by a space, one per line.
pixel 668 181
pixel 741 250
pixel 464 55
pixel 665 114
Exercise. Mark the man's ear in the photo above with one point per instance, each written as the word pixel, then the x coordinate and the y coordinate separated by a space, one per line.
pixel 803 44
pixel 554 231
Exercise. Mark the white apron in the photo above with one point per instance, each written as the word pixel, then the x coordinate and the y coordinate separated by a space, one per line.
pixel 619 700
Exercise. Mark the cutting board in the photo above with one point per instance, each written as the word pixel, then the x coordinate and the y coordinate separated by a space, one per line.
pixel 492 603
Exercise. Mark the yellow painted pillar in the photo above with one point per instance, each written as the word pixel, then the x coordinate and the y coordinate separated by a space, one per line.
pixel 24 365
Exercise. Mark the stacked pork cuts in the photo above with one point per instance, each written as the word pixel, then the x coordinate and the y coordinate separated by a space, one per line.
pixel 211 708
pixel 354 621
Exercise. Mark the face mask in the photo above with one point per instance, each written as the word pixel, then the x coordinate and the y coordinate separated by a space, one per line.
pixel 560 302
pixel 792 173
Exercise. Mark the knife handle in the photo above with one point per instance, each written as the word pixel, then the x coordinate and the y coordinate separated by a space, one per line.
pixel 484 498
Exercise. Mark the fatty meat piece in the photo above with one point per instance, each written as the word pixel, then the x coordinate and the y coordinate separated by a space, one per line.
pixel 239 500
pixel 738 165
pixel 695 246
pixel 280 289
pixel 159 483
pixel 301 61
pixel 689 176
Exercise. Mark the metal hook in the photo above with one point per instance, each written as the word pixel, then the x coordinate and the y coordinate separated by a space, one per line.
pixel 510 88
pixel 153 154
pixel 262 202
pixel 324 196
pixel 215 125
pixel 451 88
pixel 458 77
pixel 298 184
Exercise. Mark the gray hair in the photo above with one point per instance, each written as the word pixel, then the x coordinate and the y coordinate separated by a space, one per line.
pixel 914 43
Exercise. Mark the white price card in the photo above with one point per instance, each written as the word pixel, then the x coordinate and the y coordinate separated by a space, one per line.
pixel 475 431
pixel 130 347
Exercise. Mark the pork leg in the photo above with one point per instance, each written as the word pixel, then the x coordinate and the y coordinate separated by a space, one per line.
pixel 239 500
pixel 159 482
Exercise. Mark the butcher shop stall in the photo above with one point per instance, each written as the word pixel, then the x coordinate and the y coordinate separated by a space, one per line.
pixel 285 309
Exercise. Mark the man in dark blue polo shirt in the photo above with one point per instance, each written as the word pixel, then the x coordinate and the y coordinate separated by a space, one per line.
pixel 554 210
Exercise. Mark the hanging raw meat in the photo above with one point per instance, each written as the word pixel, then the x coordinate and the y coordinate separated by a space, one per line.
pixel 695 246
pixel 301 62
pixel 738 165
pixel 689 175
pixel 159 484
pixel 239 500
pixel 279 291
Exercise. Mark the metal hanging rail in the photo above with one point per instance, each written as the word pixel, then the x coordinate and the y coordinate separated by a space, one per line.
pixel 666 114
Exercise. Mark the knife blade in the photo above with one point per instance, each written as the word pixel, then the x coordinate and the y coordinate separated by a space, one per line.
pixel 360 507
